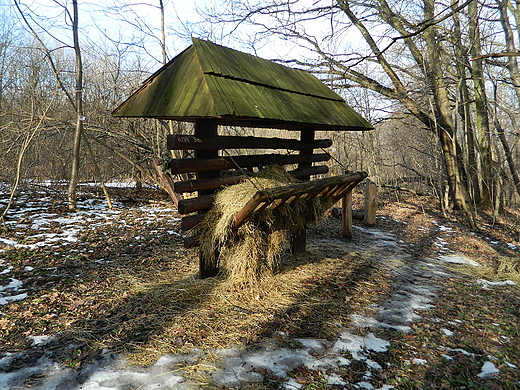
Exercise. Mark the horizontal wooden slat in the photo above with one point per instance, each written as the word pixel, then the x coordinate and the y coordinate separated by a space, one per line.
pixel 202 165
pixel 190 142
pixel 309 171
pixel 191 241
pixel 335 186
pixel 191 205
pixel 215 183
pixel 207 184
pixel 190 221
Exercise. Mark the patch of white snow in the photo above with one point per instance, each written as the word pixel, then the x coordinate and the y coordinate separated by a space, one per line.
pixel 488 369
pixel 458 259
pixel 487 283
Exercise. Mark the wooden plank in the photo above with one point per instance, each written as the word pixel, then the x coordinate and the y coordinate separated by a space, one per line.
pixel 191 241
pixel 370 203
pixel 299 242
pixel 178 166
pixel 301 173
pixel 191 205
pixel 346 216
pixel 191 221
pixel 307 136
pixel 213 184
pixel 190 142
pixel 207 184
pixel 205 128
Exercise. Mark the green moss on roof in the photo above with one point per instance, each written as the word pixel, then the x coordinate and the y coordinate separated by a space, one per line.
pixel 211 81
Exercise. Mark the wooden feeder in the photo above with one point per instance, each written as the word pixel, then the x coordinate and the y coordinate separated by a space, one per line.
pixel 212 85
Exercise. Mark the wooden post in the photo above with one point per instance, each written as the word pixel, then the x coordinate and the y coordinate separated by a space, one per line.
pixel 299 241
pixel 346 216
pixel 370 203
pixel 206 128
pixel 299 238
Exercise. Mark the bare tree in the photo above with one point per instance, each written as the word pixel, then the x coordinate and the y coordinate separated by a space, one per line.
pixel 78 105
pixel 415 55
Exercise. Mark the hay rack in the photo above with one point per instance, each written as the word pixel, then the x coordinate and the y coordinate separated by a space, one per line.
pixel 211 86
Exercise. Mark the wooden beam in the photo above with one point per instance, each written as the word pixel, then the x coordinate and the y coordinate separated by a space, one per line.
pixel 346 216
pixel 207 184
pixel 216 164
pixel 300 173
pixel 370 203
pixel 190 142
pixel 205 128
pixel 213 184
pixel 190 221
pixel 299 242
pixel 191 241
pixel 191 205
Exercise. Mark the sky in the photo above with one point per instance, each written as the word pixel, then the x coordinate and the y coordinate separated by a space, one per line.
pixel 138 23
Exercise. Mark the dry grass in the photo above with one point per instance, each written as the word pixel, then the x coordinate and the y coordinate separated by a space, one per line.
pixel 248 258
pixel 145 300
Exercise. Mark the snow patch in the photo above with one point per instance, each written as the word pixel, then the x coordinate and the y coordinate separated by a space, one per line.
pixel 487 283
pixel 358 345
pixel 458 259
pixel 12 298
pixel 488 369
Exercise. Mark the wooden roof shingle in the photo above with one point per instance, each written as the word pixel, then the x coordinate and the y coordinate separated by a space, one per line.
pixel 212 81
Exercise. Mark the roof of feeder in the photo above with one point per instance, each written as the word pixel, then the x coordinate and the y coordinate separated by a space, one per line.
pixel 214 82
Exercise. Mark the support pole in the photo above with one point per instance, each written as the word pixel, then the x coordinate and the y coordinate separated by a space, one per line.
pixel 207 128
pixel 370 203
pixel 346 215
pixel 299 238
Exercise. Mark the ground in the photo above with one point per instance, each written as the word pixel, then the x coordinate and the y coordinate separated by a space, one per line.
pixel 416 302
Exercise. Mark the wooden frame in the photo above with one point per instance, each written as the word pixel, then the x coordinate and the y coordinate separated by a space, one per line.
pixel 209 169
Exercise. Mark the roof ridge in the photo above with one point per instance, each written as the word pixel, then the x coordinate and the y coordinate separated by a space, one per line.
pixel 230 77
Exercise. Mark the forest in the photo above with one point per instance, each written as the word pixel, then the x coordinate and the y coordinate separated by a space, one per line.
pixel 98 289
pixel 440 82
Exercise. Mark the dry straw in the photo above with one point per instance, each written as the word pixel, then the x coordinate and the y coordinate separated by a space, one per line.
pixel 248 258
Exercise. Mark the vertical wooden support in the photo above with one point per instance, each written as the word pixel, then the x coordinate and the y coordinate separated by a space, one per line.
pixel 370 203
pixel 299 238
pixel 346 215
pixel 299 241
pixel 206 128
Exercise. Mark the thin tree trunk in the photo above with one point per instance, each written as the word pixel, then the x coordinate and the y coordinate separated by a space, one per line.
pixel 97 172
pixel 464 110
pixel 445 125
pixel 25 144
pixel 481 111
pixel 74 177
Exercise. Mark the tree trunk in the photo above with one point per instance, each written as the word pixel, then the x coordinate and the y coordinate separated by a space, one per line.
pixel 74 177
pixel 445 126
pixel 464 110
pixel 481 111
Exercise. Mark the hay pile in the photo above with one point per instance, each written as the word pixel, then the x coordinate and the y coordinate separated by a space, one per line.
pixel 249 257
